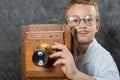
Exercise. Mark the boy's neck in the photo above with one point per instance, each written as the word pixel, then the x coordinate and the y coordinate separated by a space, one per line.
pixel 82 48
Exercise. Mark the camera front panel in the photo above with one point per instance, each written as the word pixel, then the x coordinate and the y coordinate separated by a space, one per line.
pixel 32 36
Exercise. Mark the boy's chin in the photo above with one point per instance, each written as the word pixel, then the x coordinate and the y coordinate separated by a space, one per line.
pixel 83 41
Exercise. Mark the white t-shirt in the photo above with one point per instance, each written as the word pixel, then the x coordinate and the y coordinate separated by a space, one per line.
pixel 98 63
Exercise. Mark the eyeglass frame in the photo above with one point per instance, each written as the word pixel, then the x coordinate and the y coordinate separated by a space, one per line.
pixel 96 20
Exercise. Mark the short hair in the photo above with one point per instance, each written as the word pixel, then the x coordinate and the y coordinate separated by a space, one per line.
pixel 88 2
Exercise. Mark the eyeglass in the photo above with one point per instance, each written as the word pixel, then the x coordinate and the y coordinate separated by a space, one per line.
pixel 75 20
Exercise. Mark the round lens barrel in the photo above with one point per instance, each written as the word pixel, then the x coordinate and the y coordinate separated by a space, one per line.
pixel 40 58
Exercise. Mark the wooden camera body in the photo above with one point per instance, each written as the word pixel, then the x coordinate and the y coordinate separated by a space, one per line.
pixel 32 36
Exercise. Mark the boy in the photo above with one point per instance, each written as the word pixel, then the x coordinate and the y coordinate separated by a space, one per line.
pixel 92 61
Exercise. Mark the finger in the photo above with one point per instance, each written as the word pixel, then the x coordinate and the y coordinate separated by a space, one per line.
pixel 60 62
pixel 57 54
pixel 59 46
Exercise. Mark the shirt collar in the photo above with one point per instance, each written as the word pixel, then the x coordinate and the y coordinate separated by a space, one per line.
pixel 90 51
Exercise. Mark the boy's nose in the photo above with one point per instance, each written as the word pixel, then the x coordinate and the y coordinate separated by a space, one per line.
pixel 82 25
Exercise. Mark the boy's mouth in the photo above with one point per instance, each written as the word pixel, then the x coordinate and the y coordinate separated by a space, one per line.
pixel 82 32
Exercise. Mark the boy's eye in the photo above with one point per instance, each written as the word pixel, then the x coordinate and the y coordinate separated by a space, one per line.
pixel 75 20
pixel 89 19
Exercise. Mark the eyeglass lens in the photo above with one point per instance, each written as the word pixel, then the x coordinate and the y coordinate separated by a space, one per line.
pixel 75 20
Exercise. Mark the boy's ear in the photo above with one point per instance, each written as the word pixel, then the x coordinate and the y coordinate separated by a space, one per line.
pixel 97 26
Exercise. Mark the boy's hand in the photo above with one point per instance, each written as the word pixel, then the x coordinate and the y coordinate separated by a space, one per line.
pixel 65 60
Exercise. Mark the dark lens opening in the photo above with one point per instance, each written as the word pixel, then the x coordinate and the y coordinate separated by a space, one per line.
pixel 40 58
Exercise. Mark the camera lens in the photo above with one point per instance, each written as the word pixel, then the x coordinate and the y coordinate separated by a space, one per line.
pixel 40 58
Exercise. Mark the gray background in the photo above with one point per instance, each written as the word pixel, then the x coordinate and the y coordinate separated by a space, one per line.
pixel 14 13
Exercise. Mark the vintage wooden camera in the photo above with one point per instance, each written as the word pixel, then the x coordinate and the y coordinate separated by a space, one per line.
pixel 36 65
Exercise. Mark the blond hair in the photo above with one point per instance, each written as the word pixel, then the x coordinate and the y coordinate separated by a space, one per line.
pixel 88 2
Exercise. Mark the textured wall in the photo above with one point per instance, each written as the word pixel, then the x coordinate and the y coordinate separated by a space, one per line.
pixel 14 13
